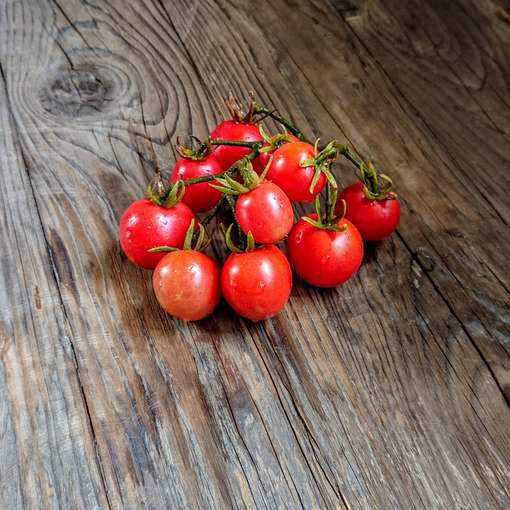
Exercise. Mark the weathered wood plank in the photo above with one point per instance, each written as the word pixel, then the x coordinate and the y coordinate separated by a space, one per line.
pixel 305 54
pixel 456 89
pixel 373 395
pixel 48 457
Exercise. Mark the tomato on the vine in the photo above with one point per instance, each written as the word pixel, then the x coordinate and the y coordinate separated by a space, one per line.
pixel 374 218
pixel 200 197
pixel 266 211
pixel 145 225
pixel 268 149
pixel 257 284
pixel 322 257
pixel 187 284
pixel 286 171
pixel 235 130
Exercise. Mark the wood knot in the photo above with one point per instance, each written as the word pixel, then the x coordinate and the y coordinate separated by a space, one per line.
pixel 455 233
pixel 76 92
pixel 347 8
pixel 425 259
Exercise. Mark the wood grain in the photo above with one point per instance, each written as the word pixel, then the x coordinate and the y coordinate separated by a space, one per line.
pixel 388 392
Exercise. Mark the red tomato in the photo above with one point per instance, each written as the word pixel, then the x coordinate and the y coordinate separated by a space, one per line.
pixel 266 211
pixel 260 162
pixel 145 225
pixel 324 258
pixel 227 155
pixel 187 284
pixel 375 219
pixel 257 284
pixel 286 171
pixel 200 197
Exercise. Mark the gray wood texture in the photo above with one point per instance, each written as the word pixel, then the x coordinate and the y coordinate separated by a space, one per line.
pixel 391 391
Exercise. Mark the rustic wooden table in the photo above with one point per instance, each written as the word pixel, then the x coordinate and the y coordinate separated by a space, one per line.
pixel 391 391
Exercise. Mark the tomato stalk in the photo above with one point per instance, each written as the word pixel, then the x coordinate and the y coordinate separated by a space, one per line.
pixel 193 152
pixel 376 186
pixel 345 151
pixel 292 128
pixel 249 245
pixel 160 193
pixel 337 149
pixel 237 143
pixel 255 146
pixel 329 220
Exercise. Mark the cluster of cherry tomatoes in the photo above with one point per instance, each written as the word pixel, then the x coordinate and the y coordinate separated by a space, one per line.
pixel 253 179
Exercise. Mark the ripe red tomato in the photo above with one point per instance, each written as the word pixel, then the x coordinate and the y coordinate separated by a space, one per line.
pixel 260 162
pixel 324 258
pixel 187 284
pixel 227 155
pixel 200 197
pixel 375 219
pixel 145 225
pixel 286 171
pixel 257 284
pixel 267 212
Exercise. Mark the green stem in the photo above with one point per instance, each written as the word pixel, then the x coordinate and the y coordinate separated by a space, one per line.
pixel 206 178
pixel 232 204
pixel 236 143
pixel 344 151
pixel 283 121
pixel 329 204
pixel 331 150
pixel 369 179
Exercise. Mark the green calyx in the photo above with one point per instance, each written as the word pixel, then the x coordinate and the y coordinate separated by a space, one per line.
pixel 193 241
pixel 251 179
pixel 273 142
pixel 322 163
pixel 376 186
pixel 328 220
pixel 238 113
pixel 160 193
pixel 250 241
pixel 197 150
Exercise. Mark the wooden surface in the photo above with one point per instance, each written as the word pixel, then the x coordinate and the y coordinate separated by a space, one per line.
pixel 391 391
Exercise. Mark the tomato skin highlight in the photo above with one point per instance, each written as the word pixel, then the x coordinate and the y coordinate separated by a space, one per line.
pixel 267 212
pixel 260 162
pixel 187 284
pixel 324 258
pixel 145 225
pixel 375 219
pixel 199 197
pixel 286 171
pixel 227 155
pixel 257 284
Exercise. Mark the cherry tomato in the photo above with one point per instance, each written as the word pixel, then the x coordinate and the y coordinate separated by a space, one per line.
pixel 187 284
pixel 145 225
pixel 260 162
pixel 375 219
pixel 324 258
pixel 257 284
pixel 200 197
pixel 267 212
pixel 286 171
pixel 227 155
